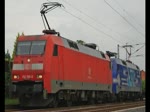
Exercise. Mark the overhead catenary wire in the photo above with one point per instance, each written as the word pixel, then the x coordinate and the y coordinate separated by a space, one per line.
pixel 138 44
pixel 92 26
pixel 93 19
pixel 129 15
pixel 138 49
pixel 84 23
pixel 137 55
pixel 85 14
pixel 123 18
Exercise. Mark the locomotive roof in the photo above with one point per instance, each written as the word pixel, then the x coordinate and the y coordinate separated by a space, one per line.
pixel 125 63
pixel 83 49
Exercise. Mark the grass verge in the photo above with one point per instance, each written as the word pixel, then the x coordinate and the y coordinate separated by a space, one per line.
pixel 13 101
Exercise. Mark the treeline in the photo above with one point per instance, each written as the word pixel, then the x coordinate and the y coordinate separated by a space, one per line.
pixel 8 66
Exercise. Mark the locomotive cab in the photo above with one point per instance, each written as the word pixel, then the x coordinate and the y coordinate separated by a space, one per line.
pixel 30 67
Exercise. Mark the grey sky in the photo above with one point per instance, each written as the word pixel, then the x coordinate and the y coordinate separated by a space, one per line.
pixel 106 28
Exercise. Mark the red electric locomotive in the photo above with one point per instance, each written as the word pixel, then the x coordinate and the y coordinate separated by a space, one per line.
pixel 48 69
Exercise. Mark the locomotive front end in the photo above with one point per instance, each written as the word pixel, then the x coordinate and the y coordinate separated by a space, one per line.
pixel 28 69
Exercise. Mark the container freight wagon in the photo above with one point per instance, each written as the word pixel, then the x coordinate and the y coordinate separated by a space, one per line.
pixel 126 79
pixel 50 69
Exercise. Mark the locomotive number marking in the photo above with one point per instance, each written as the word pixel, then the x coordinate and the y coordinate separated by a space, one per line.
pixel 27 76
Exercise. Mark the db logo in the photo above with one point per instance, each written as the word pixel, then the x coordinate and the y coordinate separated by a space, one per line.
pixel 89 71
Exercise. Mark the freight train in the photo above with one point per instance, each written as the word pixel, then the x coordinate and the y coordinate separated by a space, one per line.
pixel 49 69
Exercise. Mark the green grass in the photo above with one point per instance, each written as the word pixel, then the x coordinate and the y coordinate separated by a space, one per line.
pixel 14 101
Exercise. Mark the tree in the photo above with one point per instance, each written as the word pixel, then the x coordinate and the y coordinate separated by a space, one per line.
pixel 7 73
pixel 15 45
pixel 22 34
pixel 7 56
pixel 80 42
pixel 7 61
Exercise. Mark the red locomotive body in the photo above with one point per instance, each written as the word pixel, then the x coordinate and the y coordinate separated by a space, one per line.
pixel 55 69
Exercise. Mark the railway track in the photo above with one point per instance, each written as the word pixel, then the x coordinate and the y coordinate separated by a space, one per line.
pixel 108 108
pixel 86 108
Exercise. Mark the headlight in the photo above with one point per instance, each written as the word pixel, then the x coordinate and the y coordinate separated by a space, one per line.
pixel 39 76
pixel 16 77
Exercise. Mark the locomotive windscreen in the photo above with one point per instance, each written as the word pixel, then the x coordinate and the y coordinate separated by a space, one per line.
pixel 30 47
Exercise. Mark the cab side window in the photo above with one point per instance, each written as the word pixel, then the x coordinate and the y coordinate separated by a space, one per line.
pixel 55 51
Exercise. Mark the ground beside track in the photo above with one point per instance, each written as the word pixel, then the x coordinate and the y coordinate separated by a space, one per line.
pixel 136 109
pixel 116 107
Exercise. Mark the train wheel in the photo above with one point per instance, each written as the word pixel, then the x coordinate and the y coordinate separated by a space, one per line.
pixel 24 99
pixel 55 102
pixel 68 100
pixel 69 103
pixel 91 101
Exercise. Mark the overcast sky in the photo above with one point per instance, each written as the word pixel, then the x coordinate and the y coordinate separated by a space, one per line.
pixel 104 22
